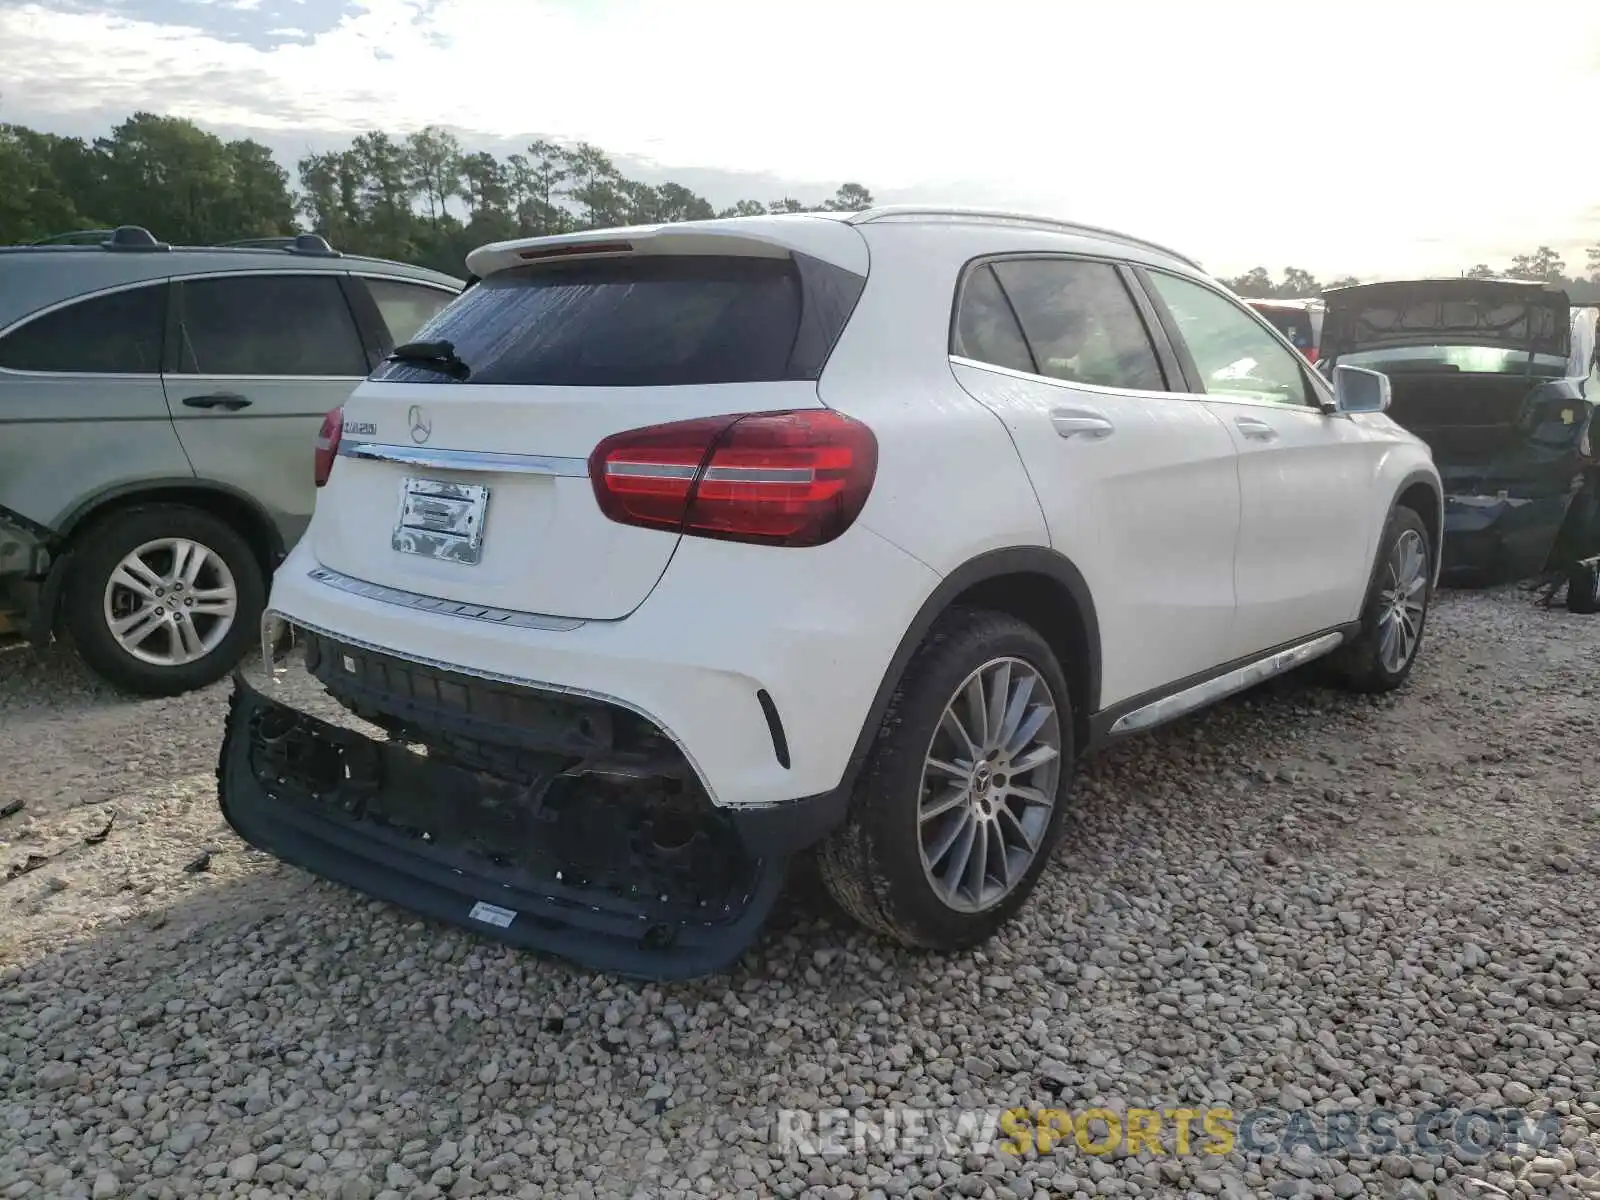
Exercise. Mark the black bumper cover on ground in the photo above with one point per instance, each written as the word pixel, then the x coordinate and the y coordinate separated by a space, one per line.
pixel 1498 541
pixel 582 877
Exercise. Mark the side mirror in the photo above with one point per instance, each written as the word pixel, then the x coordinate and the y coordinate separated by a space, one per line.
pixel 1358 390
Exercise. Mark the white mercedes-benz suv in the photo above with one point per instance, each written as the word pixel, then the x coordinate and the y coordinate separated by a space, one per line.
pixel 666 553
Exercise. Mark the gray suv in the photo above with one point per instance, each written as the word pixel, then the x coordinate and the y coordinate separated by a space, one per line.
pixel 158 410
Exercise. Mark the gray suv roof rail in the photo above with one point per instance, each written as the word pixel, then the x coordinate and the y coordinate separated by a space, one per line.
pixel 136 237
pixel 123 237
pixel 911 212
pixel 300 243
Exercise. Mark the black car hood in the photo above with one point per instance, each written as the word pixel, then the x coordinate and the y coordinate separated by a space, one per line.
pixel 1506 313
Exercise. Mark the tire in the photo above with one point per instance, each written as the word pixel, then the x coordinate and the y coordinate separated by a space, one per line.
pixel 1365 664
pixel 873 864
pixel 91 600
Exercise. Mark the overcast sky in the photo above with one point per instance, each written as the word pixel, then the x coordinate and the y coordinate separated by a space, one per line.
pixel 1371 137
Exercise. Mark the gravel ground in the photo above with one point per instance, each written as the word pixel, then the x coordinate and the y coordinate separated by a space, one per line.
pixel 1300 899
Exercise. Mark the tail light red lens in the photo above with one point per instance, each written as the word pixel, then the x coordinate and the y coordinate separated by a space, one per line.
pixel 780 479
pixel 328 444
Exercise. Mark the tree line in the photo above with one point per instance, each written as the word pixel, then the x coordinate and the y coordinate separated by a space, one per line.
pixel 422 198
pixel 1543 265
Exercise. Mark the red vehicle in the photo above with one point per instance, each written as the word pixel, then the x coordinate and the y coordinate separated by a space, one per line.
pixel 1298 320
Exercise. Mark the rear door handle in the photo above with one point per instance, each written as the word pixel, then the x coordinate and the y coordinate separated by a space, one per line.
pixel 1259 430
pixel 1076 422
pixel 228 401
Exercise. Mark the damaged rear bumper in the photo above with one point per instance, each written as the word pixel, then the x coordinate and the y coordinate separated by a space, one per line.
pixel 1496 539
pixel 617 870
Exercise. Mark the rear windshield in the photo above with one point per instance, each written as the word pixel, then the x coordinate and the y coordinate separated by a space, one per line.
pixel 642 321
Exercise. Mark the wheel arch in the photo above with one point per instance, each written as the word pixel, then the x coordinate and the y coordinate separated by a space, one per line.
pixel 1037 585
pixel 237 508
pixel 1421 492
pixel 229 504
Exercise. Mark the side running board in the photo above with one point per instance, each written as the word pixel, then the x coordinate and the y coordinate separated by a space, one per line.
pixel 1158 712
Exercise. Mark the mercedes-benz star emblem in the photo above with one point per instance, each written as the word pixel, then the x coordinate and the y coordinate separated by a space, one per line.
pixel 421 427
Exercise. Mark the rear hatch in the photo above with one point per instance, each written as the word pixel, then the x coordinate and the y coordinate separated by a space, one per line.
pixel 467 480
pixel 1508 314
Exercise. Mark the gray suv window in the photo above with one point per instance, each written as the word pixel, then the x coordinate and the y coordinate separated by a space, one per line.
pixel 406 307
pixel 268 325
pixel 118 333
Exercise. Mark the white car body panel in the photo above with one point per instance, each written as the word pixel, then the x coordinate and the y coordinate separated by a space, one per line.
pixel 1149 514
pixel 725 621
pixel 1305 552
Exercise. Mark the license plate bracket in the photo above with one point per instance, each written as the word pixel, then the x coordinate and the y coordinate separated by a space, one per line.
pixel 441 520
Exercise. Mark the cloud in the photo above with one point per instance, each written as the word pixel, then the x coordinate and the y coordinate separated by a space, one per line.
pixel 1245 130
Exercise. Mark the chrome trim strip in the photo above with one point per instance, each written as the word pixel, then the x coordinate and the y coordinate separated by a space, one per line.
pixel 443 608
pixel 278 676
pixel 1211 690
pixel 1071 385
pixel 468 460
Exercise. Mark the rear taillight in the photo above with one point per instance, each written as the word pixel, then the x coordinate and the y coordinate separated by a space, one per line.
pixel 781 479
pixel 328 444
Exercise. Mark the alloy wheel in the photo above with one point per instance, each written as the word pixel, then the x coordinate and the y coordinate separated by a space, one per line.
pixel 989 785
pixel 1402 601
pixel 170 602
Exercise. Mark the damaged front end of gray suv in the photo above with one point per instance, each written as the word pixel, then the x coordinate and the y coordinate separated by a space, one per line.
pixel 1482 370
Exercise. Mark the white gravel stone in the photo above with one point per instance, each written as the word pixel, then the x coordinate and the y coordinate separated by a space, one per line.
pixel 1301 898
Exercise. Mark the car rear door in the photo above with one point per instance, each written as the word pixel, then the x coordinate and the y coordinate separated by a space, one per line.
pixel 1138 480
pixel 82 410
pixel 255 361
pixel 1306 476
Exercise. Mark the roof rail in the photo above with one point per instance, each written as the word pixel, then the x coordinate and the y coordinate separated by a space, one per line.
pixel 75 237
pixel 123 237
pixel 300 243
pixel 888 212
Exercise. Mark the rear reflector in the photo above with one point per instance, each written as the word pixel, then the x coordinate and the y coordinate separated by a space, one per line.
pixel 780 479
pixel 328 445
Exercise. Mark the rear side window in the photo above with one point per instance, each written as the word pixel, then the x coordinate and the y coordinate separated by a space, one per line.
pixel 986 328
pixel 643 321
pixel 268 325
pixel 1077 320
pixel 119 333
pixel 406 307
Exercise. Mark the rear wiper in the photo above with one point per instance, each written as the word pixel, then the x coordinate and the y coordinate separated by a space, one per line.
pixel 441 356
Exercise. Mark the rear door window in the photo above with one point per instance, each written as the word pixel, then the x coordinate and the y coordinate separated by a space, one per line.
pixel 406 307
pixel 986 329
pixel 643 321
pixel 118 333
pixel 1080 324
pixel 265 325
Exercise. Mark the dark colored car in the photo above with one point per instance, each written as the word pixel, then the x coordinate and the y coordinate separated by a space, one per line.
pixel 1480 371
